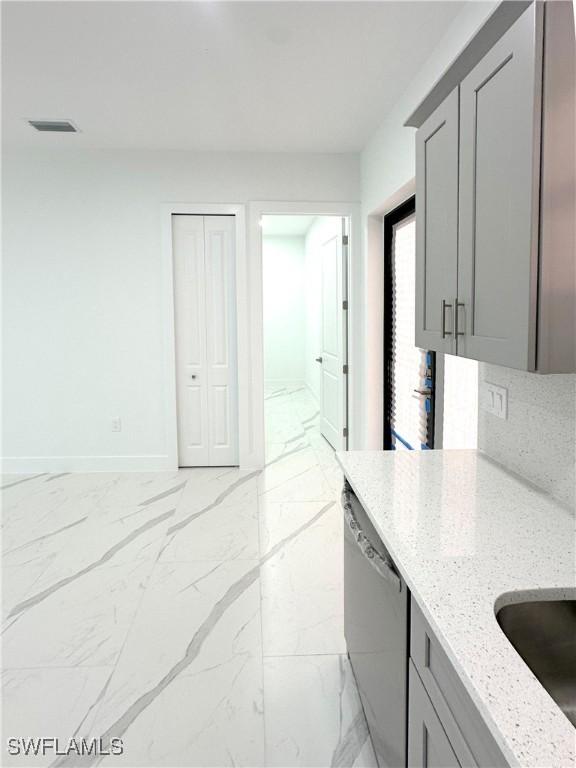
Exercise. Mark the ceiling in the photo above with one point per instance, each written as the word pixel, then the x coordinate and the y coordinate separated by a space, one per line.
pixel 212 76
pixel 296 226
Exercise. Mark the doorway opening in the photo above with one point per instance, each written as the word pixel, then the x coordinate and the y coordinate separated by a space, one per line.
pixel 305 314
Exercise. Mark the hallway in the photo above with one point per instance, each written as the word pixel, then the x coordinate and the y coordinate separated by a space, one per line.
pixel 197 615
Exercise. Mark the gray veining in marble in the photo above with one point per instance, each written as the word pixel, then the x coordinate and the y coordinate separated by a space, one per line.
pixel 108 555
pixel 23 480
pixel 136 608
pixel 200 637
pixel 48 535
pixel 51 478
pixel 351 742
pixel 195 515
pixel 163 495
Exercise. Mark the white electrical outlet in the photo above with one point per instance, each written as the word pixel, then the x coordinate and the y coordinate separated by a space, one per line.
pixel 495 400
pixel 116 424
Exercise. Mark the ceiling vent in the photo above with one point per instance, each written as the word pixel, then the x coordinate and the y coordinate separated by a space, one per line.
pixel 56 126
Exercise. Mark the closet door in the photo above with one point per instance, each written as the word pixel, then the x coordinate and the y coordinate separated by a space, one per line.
pixel 437 227
pixel 500 114
pixel 205 314
pixel 190 315
pixel 221 364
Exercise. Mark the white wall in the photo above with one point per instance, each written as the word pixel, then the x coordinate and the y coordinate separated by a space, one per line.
pixel 538 438
pixel 83 336
pixel 460 403
pixel 387 169
pixel 284 307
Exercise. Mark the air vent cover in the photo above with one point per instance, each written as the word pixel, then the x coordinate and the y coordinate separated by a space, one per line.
pixel 58 126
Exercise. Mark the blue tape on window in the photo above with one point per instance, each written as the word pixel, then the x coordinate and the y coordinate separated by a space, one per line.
pixel 397 436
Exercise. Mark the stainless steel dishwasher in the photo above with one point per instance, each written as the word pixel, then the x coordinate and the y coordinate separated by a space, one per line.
pixel 376 629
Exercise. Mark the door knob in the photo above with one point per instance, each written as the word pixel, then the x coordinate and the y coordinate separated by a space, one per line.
pixel 318 359
pixel 193 376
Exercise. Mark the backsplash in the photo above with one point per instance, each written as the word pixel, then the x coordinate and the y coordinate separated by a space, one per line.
pixel 537 440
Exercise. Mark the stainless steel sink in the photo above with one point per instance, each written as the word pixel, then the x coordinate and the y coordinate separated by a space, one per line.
pixel 544 634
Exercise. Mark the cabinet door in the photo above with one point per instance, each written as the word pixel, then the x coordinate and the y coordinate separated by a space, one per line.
pixel 428 745
pixel 500 113
pixel 437 227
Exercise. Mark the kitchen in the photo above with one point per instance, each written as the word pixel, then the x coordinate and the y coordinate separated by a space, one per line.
pixel 460 609
pixel 290 384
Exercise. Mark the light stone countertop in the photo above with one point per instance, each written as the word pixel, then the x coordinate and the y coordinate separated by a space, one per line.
pixel 465 534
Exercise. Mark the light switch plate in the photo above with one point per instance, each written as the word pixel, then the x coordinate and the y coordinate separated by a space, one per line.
pixel 495 400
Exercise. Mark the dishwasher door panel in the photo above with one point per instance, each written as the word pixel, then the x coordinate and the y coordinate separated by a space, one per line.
pixel 376 629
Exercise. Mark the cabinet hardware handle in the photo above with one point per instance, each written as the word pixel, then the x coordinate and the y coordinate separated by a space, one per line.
pixel 444 331
pixel 318 359
pixel 457 305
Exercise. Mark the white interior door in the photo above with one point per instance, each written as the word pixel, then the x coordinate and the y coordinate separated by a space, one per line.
pixel 221 358
pixel 205 314
pixel 332 394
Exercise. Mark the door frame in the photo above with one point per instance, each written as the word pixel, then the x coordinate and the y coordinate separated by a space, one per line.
pixel 391 219
pixel 169 331
pixel 257 209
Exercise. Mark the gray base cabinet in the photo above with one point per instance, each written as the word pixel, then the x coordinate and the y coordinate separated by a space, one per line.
pixel 443 722
pixel 495 200
pixel 428 744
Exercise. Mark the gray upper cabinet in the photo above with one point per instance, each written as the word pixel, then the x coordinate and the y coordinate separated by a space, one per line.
pixel 495 195
pixel 437 227
pixel 499 182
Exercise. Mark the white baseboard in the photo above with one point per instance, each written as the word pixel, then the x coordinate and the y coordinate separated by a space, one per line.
pixel 18 465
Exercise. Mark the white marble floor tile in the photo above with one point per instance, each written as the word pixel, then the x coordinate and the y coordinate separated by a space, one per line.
pixel 313 714
pixel 143 606
pixel 213 489
pixel 17 582
pixel 227 532
pixel 279 403
pixel 84 517
pixel 282 428
pixel 286 464
pixel 15 488
pixel 279 519
pixel 307 409
pixel 52 703
pixel 39 514
pixel 187 689
pixel 309 485
pixel 335 478
pixel 217 520
pixel 209 720
pixel 302 593
pixel 325 454
pixel 79 623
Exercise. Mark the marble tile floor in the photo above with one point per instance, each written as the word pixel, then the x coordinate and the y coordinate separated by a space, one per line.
pixel 197 615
